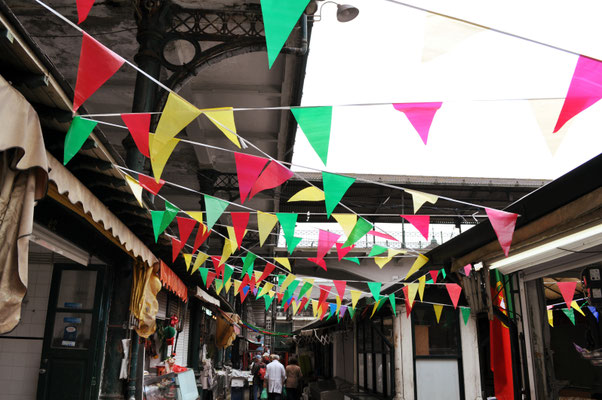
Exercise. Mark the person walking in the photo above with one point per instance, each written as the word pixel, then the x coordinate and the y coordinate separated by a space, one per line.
pixel 274 378
pixel 293 379
pixel 258 371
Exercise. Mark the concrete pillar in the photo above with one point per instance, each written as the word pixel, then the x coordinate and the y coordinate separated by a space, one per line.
pixel 470 359
pixel 407 354
pixel 397 352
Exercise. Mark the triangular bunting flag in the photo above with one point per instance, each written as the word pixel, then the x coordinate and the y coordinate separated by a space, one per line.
pixel 248 169
pixel 139 126
pixel 135 188
pixel 292 243
pixel 289 279
pixel 376 250
pixel 243 293
pixel 265 224
pixel 96 65
pixel 594 312
pixel 575 306
pixel 503 224
pixel 335 187
pixel 314 307
pixel 307 286
pixel 546 112
pixel 176 115
pixel 279 19
pixel 265 290
pixel 342 251
pixel 351 312
pixel 419 198
pixel 375 289
pixel 567 289
pixel 239 222
pixel 210 277
pixel 352 259
pixel 296 306
pixel 315 124
pixel 150 184
pixel 187 261
pixel 310 193
pixel 342 312
pixel 324 292
pixel 83 9
pixel 200 259
pixel 442 270
pixel 465 314
pixel 421 286
pixel 467 269
pixel 434 274
pixel 570 313
pixel 237 284
pixel 269 267
pixel 355 296
pixel 340 286
pixel 420 116
pixel 376 306
pixel 420 222
pixel 79 131
pixel 288 222
pixel 274 175
pixel 185 227
pixel 248 264
pixel 284 262
pixel 201 235
pixel 420 261
pixel 382 235
pixel 551 317
pixel 227 251
pixel 228 271
pixel 392 301
pixel 176 247
pixel 215 208
pixel 160 151
pixel 204 274
pixel 382 261
pixel 325 242
pixel 359 230
pixel 412 291
pixel 584 91
pixel 438 308
pixel 346 221
pixel 320 261
pixel 454 291
pixel 223 119
pixel 219 284
pixel 407 301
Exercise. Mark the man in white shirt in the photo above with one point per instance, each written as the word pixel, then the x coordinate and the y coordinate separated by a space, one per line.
pixel 275 375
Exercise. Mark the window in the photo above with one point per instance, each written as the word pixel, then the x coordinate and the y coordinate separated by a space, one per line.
pixel 374 346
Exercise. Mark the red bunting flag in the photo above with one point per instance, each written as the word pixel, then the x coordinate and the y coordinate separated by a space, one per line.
pixel 185 227
pixel 176 247
pixel 382 235
pixel 240 220
pixel 320 261
pixel 406 298
pixel 139 126
pixel 454 291
pixel 420 222
pixel 325 242
pixel 219 269
pixel 342 251
pixel 274 175
pixel 248 169
pixel 83 9
pixel 210 277
pixel 96 65
pixel 324 292
pixel 420 116
pixel 303 302
pixel 252 283
pixel 287 305
pixel 280 296
pixel 150 184
pixel 567 289
pixel 269 267
pixel 585 90
pixel 434 275
pixel 340 286
pixel 201 235
pixel 503 224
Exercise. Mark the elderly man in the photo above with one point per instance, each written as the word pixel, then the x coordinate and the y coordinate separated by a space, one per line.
pixel 275 375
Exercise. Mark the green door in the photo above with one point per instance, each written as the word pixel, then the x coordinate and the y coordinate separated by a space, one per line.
pixel 73 335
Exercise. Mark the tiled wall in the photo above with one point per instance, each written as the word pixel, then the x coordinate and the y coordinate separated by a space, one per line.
pixel 20 358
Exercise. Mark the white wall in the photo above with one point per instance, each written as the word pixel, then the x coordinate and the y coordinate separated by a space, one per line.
pixel 470 358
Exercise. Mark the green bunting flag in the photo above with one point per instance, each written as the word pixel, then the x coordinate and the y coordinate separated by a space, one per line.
pixel 306 286
pixel 268 301
pixel 315 124
pixel 292 243
pixel 157 217
pixel 281 279
pixel 162 219
pixel 351 312
pixel 204 271
pixel 279 19
pixel 215 208
pixel 376 250
pixel 359 230
pixel 465 314
pixel 375 289
pixel 228 271
pixel 392 301
pixel 352 259
pixel 288 221
pixel 382 300
pixel 248 264
pixel 335 187
pixel 78 133
pixel 569 312
pixel 443 272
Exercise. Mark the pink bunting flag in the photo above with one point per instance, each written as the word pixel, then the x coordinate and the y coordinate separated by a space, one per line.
pixel 325 242
pixel 467 269
pixel 269 267
pixel 434 275
pixel 139 126
pixel 150 184
pixel 454 291
pixel 406 298
pixel 219 269
pixel 585 90
pixel 320 261
pixel 340 286
pixel 567 289
pixel 420 222
pixel 176 247
pixel 83 9
pixel 185 227
pixel 248 169
pixel 342 251
pixel 382 235
pixel 324 292
pixel 503 224
pixel 274 175
pixel 210 277
pixel 201 235
pixel 240 220
pixel 420 116
pixel 96 65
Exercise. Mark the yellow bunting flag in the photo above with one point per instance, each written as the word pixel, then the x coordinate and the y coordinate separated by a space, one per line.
pixel 551 318
pixel 176 115
pixel 219 284
pixel 311 193
pixel 412 290
pixel 419 263
pixel 187 261
pixel 382 261
pixel 314 307
pixel 200 259
pixel 227 285
pixel 265 224
pixel 375 307
pixel 236 286
pixel 284 262
pixel 421 286
pixel 136 189
pixel 160 151
pixel 576 307
pixel 266 288
pixel 393 252
pixel 355 296
pixel 232 236
pixel 419 198
pixel 257 275
pixel 223 119
pixel 271 293
pixel 347 222
pixel 289 279
pixel 438 308
pixel 226 251
pixel 197 215
pixel 295 306
pixel 338 305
